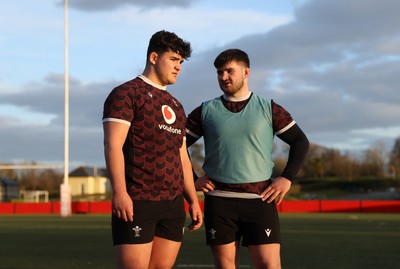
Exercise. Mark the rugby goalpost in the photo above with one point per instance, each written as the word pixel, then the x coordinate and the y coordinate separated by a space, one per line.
pixel 35 196
pixel 65 188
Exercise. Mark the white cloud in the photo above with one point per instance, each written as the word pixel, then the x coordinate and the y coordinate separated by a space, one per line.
pixel 333 64
pixel 23 116
pixel 106 5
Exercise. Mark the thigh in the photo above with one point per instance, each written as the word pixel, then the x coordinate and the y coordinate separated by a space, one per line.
pixel 171 221
pixel 129 256
pixel 226 255
pixel 266 256
pixel 220 219
pixel 164 253
pixel 259 222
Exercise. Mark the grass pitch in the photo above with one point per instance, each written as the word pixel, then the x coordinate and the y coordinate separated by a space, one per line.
pixel 309 241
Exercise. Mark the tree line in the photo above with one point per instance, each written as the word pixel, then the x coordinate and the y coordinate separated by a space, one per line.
pixel 321 162
pixel 34 179
pixel 375 162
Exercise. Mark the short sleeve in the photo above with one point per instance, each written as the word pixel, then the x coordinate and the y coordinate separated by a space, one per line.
pixel 119 106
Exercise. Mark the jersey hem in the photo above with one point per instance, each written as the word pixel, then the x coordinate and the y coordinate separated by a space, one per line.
pixel 117 120
pixel 231 194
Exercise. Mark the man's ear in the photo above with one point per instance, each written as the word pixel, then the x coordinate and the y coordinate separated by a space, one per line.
pixel 246 72
pixel 153 58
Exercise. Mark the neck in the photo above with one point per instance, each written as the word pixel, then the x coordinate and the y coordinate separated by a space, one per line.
pixel 150 74
pixel 239 97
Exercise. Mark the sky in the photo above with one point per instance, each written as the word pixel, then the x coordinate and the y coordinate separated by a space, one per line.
pixel 334 65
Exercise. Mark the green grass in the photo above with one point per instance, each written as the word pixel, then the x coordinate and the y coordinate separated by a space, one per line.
pixel 312 241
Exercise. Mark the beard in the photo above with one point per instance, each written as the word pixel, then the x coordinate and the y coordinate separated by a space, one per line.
pixel 232 88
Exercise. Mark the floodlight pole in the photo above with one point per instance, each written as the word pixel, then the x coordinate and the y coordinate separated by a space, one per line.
pixel 66 94
pixel 65 190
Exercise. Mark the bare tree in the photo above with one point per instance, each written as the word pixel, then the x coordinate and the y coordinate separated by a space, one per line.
pixel 10 173
pixel 315 164
pixel 50 180
pixel 374 161
pixel 394 162
pixel 351 166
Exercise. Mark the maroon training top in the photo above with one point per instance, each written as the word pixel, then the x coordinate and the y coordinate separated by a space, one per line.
pixel 157 121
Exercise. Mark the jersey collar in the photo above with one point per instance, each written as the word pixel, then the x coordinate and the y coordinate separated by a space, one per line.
pixel 233 99
pixel 148 81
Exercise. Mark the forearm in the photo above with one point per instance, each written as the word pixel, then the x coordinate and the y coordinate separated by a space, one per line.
pixel 298 150
pixel 116 168
pixel 188 181
pixel 188 185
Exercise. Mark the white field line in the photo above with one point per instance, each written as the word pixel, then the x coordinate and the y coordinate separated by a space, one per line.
pixel 204 266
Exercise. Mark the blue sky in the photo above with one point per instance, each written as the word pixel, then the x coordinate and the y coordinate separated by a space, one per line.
pixel 333 65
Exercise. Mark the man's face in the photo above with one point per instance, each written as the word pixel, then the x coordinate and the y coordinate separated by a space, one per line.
pixel 231 77
pixel 167 67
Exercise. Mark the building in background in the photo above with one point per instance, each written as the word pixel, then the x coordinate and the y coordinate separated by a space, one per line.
pixel 9 189
pixel 87 181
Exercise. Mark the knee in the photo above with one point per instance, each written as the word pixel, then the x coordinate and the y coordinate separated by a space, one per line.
pixel 268 265
pixel 224 263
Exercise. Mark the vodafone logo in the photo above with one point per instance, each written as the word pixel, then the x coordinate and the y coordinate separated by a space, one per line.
pixel 169 117
pixel 169 114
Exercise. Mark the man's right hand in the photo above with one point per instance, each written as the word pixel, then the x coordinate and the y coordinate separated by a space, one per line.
pixel 122 206
pixel 204 184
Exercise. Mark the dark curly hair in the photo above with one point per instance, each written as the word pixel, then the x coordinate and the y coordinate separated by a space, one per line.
pixel 232 55
pixel 163 41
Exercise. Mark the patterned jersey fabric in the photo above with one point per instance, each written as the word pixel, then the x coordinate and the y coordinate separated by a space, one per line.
pixel 157 121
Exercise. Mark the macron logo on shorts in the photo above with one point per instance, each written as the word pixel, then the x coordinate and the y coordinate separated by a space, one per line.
pixel 268 232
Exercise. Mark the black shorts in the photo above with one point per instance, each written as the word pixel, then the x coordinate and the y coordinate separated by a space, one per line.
pixel 165 219
pixel 253 221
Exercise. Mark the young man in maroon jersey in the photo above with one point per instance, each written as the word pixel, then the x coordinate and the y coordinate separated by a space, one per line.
pixel 146 156
pixel 238 129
